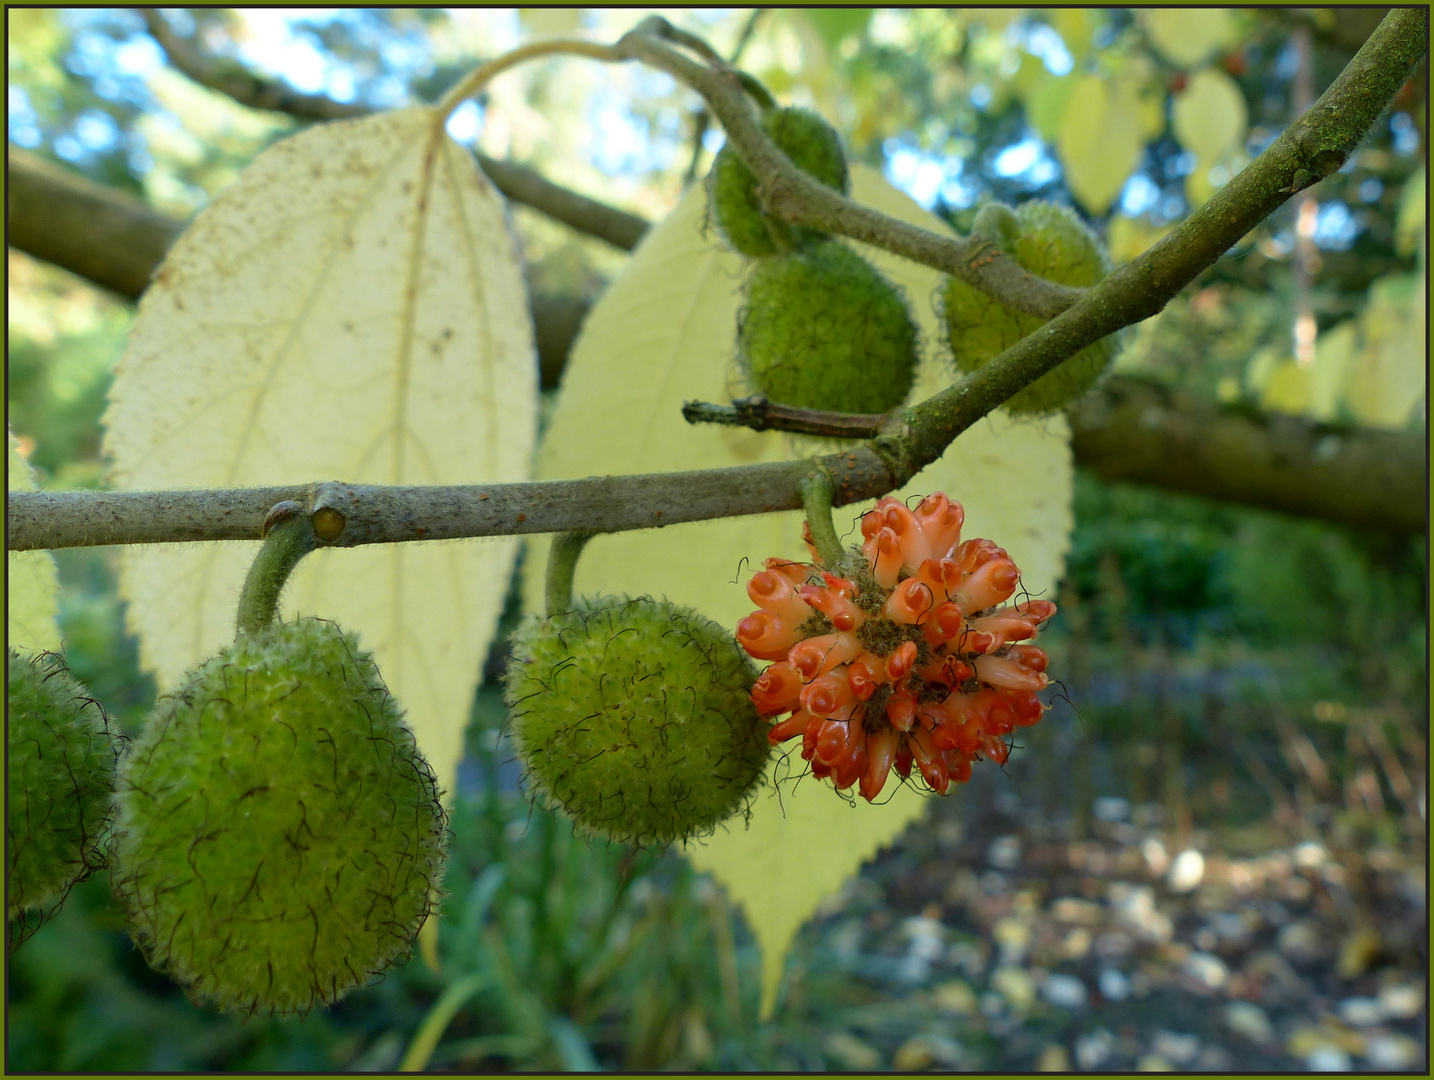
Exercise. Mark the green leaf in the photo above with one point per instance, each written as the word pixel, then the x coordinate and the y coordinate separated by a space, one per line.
pixel 837 24
pixel 352 308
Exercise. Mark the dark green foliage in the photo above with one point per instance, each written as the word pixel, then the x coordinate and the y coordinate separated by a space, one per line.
pixel 634 716
pixel 732 188
pixel 60 762
pixel 1055 244
pixel 279 835
pixel 823 329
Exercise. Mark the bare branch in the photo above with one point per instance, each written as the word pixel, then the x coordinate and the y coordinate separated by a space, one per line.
pixel 111 238
pixel 244 86
pixel 520 184
pixel 1133 430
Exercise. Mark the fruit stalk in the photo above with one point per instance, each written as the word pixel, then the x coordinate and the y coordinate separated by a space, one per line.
pixel 562 565
pixel 289 536
pixel 817 501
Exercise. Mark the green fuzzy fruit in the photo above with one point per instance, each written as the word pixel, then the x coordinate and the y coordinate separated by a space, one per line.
pixel 60 758
pixel 732 188
pixel 823 329
pixel 1055 244
pixel 635 717
pixel 280 837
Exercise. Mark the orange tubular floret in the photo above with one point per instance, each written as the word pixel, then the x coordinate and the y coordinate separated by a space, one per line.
pixel 929 760
pixel 881 747
pixel 829 696
pixel 1005 673
pixel 1037 611
pixel 944 625
pixel 766 636
pixel 1026 708
pixel 998 750
pixel 989 585
pixel 791 727
pixel 958 765
pixel 900 662
pixel 835 741
pixel 948 671
pixel 975 553
pixel 1030 656
pixel 777 690
pixel 886 558
pixel 834 604
pixel 795 572
pixel 1005 626
pixel 911 602
pixel 941 519
pixel 915 548
pixel 865 674
pixel 942 575
pixel 772 592
pixel 901 710
pixel 851 768
pixel 818 655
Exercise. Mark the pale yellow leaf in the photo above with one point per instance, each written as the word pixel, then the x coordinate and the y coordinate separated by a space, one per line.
pixel 1287 389
pixel 1128 237
pixel 1335 352
pixel 1412 214
pixel 551 21
pixel 1099 139
pixel 352 308
pixel 1076 27
pixel 1188 36
pixel 32 585
pixel 664 333
pixel 1209 115
pixel 1046 102
pixel 1388 380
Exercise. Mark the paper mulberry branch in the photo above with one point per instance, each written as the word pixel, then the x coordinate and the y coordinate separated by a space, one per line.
pixel 1313 147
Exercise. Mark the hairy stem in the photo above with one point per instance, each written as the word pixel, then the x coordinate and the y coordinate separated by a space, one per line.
pixel 817 502
pixel 562 566
pixel 290 536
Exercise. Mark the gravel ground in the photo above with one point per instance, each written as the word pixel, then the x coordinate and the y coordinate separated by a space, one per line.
pixel 989 941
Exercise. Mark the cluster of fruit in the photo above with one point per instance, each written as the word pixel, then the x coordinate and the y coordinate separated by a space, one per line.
pixel 274 835
pixel 898 655
pixel 822 328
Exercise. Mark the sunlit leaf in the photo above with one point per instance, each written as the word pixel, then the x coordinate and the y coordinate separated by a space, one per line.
pixel 32 585
pixel 664 333
pixel 1076 27
pixel 551 21
pixel 837 24
pixel 1335 352
pixel 1188 36
pixel 352 308
pixel 1099 139
pixel 1388 379
pixel 1287 388
pixel 1046 103
pixel 1412 214
pixel 1209 115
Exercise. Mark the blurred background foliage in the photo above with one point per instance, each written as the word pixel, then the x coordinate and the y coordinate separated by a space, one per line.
pixel 1228 665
